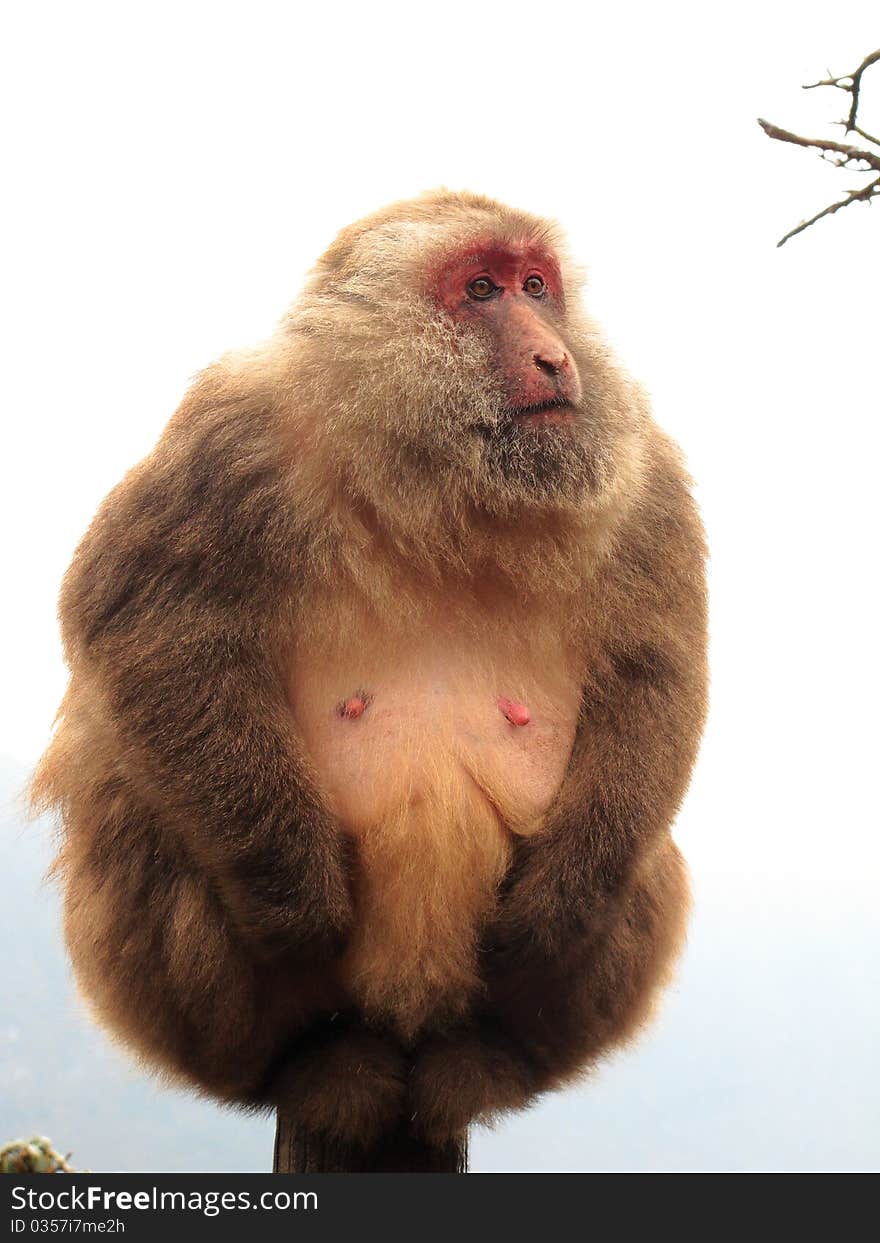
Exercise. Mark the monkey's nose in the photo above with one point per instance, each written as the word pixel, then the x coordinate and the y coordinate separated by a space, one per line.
pixel 554 365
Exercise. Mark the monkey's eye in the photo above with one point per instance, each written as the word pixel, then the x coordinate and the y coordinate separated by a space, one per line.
pixel 535 286
pixel 482 287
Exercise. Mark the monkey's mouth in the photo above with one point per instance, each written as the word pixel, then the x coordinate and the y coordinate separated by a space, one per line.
pixel 559 412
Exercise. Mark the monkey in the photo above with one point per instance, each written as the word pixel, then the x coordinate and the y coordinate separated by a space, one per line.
pixel 387 677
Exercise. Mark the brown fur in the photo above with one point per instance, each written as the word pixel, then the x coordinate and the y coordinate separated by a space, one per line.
pixel 347 503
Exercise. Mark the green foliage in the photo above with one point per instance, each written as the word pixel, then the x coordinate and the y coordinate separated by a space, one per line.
pixel 33 1156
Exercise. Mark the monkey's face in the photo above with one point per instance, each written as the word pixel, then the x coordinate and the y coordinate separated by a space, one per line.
pixel 510 295
pixel 513 295
pixel 460 377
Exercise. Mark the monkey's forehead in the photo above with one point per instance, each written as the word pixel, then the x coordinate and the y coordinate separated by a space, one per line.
pixel 425 234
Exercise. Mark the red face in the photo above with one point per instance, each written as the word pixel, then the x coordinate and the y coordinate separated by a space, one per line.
pixel 515 294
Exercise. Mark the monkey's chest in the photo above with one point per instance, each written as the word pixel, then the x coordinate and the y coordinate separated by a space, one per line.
pixel 451 717
pixel 431 743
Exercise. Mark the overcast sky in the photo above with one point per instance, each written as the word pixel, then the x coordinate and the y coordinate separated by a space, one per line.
pixel 172 171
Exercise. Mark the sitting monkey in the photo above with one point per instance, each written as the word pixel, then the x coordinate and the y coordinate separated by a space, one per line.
pixel 387 675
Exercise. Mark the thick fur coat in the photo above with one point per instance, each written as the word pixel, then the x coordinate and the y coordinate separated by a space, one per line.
pixel 298 866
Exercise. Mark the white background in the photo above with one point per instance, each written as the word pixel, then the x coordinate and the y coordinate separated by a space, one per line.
pixel 171 171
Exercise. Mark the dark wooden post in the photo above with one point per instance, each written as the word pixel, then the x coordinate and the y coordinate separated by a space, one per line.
pixel 399 1153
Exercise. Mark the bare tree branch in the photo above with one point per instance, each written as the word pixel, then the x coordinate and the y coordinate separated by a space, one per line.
pixel 827 149
pixel 871 158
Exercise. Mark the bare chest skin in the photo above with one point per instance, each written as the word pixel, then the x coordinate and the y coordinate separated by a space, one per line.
pixel 480 706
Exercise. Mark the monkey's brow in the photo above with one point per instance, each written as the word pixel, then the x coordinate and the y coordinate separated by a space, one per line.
pixel 533 248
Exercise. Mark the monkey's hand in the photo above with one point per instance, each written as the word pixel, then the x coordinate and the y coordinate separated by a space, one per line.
pixel 642 712
pixel 176 621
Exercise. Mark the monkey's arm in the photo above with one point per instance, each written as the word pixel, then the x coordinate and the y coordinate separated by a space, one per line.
pixel 642 714
pixel 174 614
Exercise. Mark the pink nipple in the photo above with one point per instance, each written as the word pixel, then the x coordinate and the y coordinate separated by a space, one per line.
pixel 517 714
pixel 353 708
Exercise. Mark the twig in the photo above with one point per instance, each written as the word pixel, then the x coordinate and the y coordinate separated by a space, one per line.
pixel 866 193
pixel 851 83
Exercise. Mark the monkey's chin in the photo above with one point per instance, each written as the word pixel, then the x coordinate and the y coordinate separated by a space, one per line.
pixel 545 462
